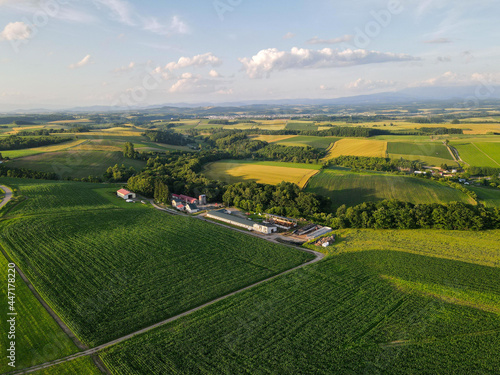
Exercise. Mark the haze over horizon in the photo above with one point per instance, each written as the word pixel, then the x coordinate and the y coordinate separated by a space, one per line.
pixel 69 53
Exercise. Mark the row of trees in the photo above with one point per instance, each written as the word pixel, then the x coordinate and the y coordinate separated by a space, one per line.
pixel 291 153
pixel 375 164
pixel 14 142
pixel 167 136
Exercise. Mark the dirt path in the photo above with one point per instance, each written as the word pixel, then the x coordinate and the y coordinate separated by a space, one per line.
pixel 90 352
pixel 8 195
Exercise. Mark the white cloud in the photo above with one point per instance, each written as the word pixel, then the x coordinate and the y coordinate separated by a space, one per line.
pixel 438 41
pixel 456 79
pixel 176 26
pixel 125 69
pixel 82 62
pixel 189 83
pixel 195 61
pixel 269 60
pixel 342 39
pixel 367 84
pixel 289 36
pixel 214 74
pixel 16 31
pixel 121 10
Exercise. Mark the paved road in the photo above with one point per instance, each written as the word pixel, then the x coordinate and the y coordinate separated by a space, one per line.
pixel 8 195
pixel 88 352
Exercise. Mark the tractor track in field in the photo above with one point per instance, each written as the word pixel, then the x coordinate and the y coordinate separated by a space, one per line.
pixel 94 351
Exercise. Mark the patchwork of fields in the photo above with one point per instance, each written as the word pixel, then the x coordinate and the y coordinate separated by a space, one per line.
pixel 344 187
pixel 128 268
pixel 363 310
pixel 302 141
pixel 262 172
pixel 358 147
pixel 430 153
pixel 40 150
pixel 479 154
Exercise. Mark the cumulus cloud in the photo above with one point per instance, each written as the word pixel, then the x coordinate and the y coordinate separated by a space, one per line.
pixel 16 31
pixel 81 63
pixel 456 79
pixel 367 84
pixel 189 83
pixel 272 59
pixel 342 39
pixel 214 74
pixel 207 59
pixel 125 69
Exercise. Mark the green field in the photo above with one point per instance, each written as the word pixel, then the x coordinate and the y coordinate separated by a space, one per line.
pixel 127 266
pixel 490 197
pixel 435 150
pixel 76 164
pixel 372 308
pixel 41 150
pixel 83 366
pixel 301 126
pixel 38 337
pixel 317 142
pixel 479 154
pixel 344 187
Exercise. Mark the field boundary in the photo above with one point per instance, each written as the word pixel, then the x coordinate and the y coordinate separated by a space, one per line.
pixel 485 154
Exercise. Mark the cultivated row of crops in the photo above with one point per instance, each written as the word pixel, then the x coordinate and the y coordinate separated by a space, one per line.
pixel 111 272
pixel 358 312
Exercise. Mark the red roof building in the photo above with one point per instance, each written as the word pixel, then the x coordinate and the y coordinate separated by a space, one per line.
pixel 185 198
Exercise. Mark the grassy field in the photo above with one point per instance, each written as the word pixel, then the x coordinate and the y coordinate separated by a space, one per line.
pixel 371 308
pixel 262 172
pixel 127 266
pixel 480 154
pixel 76 164
pixel 38 337
pixel 344 187
pixel 303 125
pixel 40 150
pixel 436 150
pixel 317 142
pixel 490 197
pixel 78 366
pixel 358 147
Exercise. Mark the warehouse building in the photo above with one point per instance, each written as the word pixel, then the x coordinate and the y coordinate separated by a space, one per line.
pixel 125 194
pixel 222 215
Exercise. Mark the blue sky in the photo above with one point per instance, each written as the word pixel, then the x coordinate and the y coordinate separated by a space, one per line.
pixel 65 53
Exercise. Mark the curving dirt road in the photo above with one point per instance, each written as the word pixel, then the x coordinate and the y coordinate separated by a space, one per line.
pixel 88 352
pixel 8 195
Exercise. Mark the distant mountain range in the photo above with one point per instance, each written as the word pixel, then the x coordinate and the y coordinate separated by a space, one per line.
pixel 463 96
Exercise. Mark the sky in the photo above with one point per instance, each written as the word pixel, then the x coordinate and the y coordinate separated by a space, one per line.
pixel 70 53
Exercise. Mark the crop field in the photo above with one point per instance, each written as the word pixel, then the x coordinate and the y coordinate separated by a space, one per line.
pixel 344 187
pixel 317 142
pixel 301 126
pixel 436 150
pixel 128 268
pixel 82 366
pixel 490 197
pixel 427 160
pixel 273 138
pixel 38 337
pixel 358 147
pixel 480 154
pixel 76 164
pixel 262 172
pixel 40 150
pixel 374 309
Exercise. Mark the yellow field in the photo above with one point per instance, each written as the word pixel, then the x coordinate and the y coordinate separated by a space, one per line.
pixel 273 138
pixel 358 147
pixel 263 174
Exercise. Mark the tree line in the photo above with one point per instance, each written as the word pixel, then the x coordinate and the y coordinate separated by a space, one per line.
pixel 14 142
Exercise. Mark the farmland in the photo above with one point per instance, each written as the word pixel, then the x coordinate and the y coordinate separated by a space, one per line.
pixel 76 164
pixel 136 260
pixel 480 154
pixel 262 172
pixel 304 125
pixel 82 365
pixel 437 150
pixel 372 307
pixel 358 147
pixel 490 197
pixel 38 339
pixel 344 187
pixel 317 142
pixel 41 150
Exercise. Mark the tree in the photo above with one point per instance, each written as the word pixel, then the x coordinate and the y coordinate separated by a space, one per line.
pixel 161 194
pixel 129 150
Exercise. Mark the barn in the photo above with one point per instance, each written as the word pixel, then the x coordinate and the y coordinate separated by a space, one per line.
pixel 125 194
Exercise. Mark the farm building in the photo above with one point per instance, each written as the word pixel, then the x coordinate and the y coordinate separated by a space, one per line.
pixel 202 199
pixel 185 198
pixel 221 215
pixel 281 221
pixel 177 203
pixel 192 208
pixel 125 194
